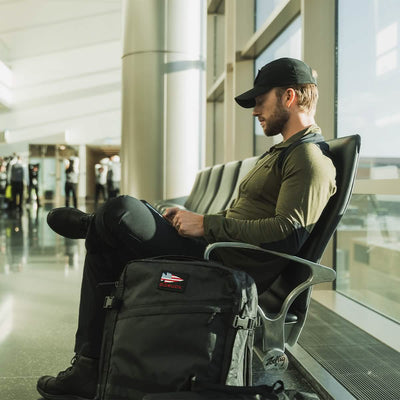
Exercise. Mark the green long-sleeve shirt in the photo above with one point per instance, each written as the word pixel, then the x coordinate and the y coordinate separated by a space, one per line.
pixel 276 207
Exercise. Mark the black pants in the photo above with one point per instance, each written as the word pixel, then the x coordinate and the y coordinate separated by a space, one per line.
pixel 123 229
pixel 70 189
pixel 100 189
pixel 36 189
pixel 113 192
pixel 17 191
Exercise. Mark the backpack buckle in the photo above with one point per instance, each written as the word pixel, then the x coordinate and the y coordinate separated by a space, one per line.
pixel 244 322
pixel 109 302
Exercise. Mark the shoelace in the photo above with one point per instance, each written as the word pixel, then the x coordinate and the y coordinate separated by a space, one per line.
pixel 72 362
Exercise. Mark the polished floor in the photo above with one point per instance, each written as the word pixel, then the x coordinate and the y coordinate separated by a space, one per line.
pixel 40 274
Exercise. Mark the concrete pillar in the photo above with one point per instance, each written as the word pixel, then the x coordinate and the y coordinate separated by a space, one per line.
pixel 318 29
pixel 81 192
pixel 163 96
pixel 319 51
pixel 239 77
pixel 243 80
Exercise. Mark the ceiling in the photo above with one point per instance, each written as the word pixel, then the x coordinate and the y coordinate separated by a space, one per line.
pixel 31 28
pixel 64 59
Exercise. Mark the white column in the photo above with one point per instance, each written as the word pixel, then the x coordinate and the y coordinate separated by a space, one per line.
pixel 163 96
pixel 229 84
pixel 238 133
pixel 318 30
pixel 243 80
pixel 82 172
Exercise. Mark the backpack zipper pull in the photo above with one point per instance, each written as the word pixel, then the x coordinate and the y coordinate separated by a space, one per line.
pixel 211 319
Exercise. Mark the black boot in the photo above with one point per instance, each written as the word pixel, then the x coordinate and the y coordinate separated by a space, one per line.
pixel 69 222
pixel 78 382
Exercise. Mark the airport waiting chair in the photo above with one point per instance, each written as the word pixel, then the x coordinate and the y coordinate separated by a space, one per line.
pixel 199 189
pixel 283 307
pixel 228 181
pixel 196 194
pixel 228 190
pixel 211 189
pixel 245 167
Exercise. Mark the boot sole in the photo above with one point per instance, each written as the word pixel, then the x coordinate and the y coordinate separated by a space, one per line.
pixel 49 396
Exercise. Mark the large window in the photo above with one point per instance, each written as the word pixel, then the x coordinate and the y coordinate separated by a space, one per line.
pixel 368 249
pixel 287 44
pixel 263 9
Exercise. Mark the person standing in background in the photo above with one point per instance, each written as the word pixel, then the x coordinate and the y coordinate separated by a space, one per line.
pixel 3 184
pixel 71 180
pixel 101 183
pixel 114 177
pixel 17 177
pixel 33 182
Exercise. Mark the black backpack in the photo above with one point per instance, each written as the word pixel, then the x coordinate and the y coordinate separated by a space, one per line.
pixel 172 320
pixel 315 138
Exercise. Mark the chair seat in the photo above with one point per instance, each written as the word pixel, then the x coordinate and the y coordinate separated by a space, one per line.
pixel 290 318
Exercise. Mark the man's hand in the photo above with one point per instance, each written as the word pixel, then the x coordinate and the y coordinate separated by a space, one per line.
pixel 187 223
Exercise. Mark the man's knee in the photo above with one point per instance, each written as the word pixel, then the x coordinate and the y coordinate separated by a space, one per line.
pixel 125 215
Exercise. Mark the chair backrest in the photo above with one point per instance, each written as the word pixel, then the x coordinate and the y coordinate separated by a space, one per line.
pixel 345 155
pixel 211 189
pixel 225 189
pixel 199 185
pixel 245 167
pixel 198 189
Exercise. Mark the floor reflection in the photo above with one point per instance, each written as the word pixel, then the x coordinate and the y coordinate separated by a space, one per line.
pixel 40 277
pixel 25 237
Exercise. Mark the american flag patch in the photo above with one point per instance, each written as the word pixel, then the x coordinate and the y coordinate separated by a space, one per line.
pixel 168 277
pixel 172 281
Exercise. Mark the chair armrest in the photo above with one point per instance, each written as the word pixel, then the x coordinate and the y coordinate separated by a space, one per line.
pixel 176 201
pixel 320 273
pixel 273 326
pixel 161 207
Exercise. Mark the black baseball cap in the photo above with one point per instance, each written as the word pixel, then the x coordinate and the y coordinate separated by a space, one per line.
pixel 281 72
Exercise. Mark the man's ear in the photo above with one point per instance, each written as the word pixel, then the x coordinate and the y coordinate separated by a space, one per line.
pixel 289 97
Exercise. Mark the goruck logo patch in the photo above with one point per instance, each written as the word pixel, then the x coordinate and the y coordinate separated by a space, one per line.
pixel 175 282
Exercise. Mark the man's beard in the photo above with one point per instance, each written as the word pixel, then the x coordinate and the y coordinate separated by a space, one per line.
pixel 275 123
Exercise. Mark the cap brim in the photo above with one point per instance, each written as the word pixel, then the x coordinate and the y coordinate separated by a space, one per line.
pixel 248 99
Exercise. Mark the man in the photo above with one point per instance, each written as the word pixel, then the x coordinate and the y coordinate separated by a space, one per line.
pixel 34 182
pixel 17 183
pixel 276 208
pixel 101 183
pixel 3 183
pixel 113 176
pixel 71 180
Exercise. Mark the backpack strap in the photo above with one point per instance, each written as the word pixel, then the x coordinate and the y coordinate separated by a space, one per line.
pixel 268 392
pixel 316 138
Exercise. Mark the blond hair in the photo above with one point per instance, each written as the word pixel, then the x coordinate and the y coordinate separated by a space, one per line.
pixel 307 95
